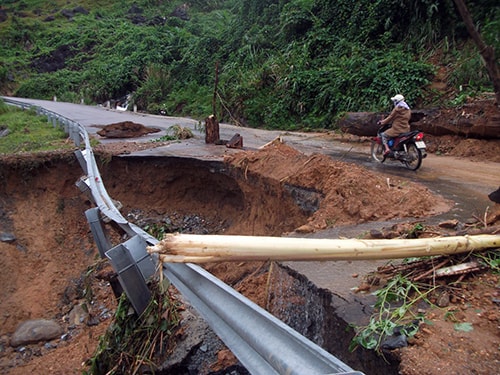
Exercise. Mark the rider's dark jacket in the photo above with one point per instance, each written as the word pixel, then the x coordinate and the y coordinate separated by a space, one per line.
pixel 400 117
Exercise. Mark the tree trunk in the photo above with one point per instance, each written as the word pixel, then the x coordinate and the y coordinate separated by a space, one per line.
pixel 211 129
pixel 487 52
pixel 219 248
pixel 470 120
pixel 365 123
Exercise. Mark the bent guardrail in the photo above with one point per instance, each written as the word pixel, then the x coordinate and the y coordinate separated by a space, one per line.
pixel 261 342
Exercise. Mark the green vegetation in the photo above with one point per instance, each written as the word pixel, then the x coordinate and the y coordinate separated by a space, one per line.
pixel 395 314
pixel 291 65
pixel 130 344
pixel 175 133
pixel 157 230
pixel 27 132
pixel 491 259
pixel 396 310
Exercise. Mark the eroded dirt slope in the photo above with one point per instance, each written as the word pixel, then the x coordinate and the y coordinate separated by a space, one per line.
pixel 345 193
pixel 265 192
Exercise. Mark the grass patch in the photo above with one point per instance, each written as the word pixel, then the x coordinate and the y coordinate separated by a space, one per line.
pixel 25 131
pixel 175 133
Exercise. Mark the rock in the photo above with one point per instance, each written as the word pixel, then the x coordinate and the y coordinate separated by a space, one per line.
pixel 306 228
pixel 443 299
pixel 471 221
pixel 78 315
pixel 4 131
pixel 7 237
pixel 394 342
pixel 80 10
pixel 34 331
pixel 495 196
pixel 451 224
pixel 181 12
pixel 21 248
pixel 376 234
pixel 67 13
pixel 194 331
pixel 196 346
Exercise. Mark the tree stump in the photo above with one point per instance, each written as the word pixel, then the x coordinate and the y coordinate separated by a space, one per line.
pixel 211 129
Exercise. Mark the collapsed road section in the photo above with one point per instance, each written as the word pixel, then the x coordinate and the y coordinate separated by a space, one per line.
pixel 269 347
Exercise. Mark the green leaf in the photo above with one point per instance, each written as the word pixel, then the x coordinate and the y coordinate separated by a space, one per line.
pixel 463 327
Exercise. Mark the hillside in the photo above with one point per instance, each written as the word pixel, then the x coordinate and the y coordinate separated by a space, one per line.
pixel 276 64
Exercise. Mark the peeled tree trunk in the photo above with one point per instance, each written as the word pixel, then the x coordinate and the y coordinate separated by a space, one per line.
pixel 192 248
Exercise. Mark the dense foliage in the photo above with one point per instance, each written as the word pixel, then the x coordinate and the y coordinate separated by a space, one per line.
pixel 281 64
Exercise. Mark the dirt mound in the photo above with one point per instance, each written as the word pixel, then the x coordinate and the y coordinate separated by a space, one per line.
pixel 460 338
pixel 474 149
pixel 345 193
pixel 126 129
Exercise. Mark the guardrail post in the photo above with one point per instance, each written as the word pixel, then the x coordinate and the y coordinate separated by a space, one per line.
pixel 80 156
pixel 75 135
pixel 134 267
pixel 97 228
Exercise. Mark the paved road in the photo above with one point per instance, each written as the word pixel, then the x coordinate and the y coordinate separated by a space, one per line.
pixel 457 179
pixel 94 117
pixel 465 182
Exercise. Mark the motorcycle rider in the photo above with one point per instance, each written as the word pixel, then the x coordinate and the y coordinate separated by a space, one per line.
pixel 400 117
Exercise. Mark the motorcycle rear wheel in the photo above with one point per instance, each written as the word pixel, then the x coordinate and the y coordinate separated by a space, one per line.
pixel 377 152
pixel 413 159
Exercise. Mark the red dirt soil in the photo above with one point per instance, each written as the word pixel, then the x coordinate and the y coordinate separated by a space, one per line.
pixel 54 247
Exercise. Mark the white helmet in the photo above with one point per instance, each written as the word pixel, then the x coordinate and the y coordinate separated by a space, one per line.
pixel 397 98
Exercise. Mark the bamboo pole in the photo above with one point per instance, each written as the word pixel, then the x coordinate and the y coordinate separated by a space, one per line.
pixel 192 248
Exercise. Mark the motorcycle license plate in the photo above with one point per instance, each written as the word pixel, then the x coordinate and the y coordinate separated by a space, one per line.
pixel 420 144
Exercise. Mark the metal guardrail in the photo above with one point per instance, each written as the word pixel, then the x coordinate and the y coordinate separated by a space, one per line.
pixel 261 342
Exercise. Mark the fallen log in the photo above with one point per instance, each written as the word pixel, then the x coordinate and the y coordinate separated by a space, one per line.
pixel 364 124
pixel 192 248
pixel 475 120
pixel 429 268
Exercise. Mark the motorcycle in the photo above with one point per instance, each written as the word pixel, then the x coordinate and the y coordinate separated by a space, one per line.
pixel 408 148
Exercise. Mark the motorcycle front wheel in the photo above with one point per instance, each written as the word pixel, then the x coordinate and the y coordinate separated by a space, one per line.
pixel 377 152
pixel 413 159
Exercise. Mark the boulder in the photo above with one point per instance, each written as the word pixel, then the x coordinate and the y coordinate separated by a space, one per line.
pixel 34 331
